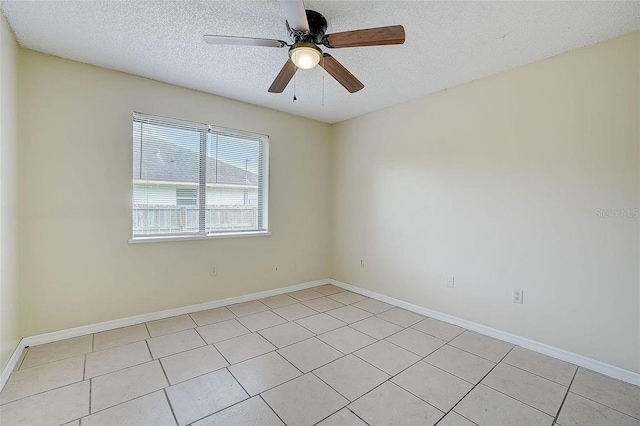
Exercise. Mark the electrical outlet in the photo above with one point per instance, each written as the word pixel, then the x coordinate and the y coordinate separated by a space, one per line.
pixel 361 263
pixel 516 296
pixel 213 271
pixel 450 281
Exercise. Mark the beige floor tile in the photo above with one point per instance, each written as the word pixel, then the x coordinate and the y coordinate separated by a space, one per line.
pixel 42 378
pixel 373 306
pixel 123 385
pixel 294 312
pixel 455 419
pixel 550 368
pixel 286 334
pixel 307 294
pixel 322 304
pixel 152 409
pixel 263 372
pixel 116 358
pixel 437 387
pixel 349 314
pixel 343 417
pixel 328 289
pixel 174 343
pixel 244 347
pixel 351 376
pixel 220 331
pixel 401 317
pixel 580 411
pixel 253 411
pixel 266 319
pixel 484 346
pixel 197 398
pixel 416 341
pixel 55 407
pixel 347 297
pixel 310 354
pixel 439 329
pixel 193 363
pixel 389 404
pixel 211 316
pixel 607 391
pixel 248 308
pixel 387 357
pixel 376 328
pixel 321 323
pixel 533 390
pixel 55 351
pixel 279 301
pixel 485 406
pixel 467 366
pixel 346 339
pixel 304 401
pixel 170 325
pixel 119 336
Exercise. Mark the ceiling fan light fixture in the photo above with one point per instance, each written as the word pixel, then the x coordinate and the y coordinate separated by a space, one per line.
pixel 305 55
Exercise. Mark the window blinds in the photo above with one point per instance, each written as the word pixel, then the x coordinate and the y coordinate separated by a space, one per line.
pixel 197 179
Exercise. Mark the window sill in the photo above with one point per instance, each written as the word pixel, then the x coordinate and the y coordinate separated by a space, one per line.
pixel 165 238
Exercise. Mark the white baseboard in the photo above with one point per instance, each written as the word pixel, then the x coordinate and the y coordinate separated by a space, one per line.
pixel 13 361
pixel 573 358
pixel 139 319
pixel 582 361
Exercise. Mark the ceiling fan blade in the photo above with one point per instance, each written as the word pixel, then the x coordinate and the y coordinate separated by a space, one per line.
pixel 296 14
pixel 340 73
pixel 283 78
pixel 369 37
pixel 243 41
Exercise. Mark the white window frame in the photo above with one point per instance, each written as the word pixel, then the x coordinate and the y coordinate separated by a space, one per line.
pixel 263 196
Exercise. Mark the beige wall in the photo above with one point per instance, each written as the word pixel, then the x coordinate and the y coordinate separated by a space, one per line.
pixel 497 182
pixel 75 169
pixel 10 332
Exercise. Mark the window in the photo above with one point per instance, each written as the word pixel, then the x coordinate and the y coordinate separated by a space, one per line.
pixel 186 197
pixel 192 179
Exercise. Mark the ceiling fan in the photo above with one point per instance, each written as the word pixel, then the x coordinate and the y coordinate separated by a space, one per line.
pixel 307 30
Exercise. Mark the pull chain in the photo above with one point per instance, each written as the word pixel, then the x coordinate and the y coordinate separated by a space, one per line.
pixel 323 72
pixel 294 88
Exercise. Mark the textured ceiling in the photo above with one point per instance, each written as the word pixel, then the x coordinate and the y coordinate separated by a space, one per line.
pixel 448 43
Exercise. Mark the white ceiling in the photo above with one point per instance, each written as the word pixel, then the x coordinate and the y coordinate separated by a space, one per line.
pixel 448 43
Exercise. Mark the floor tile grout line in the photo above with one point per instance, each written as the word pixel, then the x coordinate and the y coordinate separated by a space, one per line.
pixel 512 397
pixel 165 375
pixel 479 356
pixel 173 413
pixel 51 362
pixel 40 393
pixel 448 372
pixel 600 403
pixel 555 419
pixel 84 368
pixel 124 402
pixel 238 382
pixel 476 385
pixel 537 375
pixel 271 408
pixel 21 360
pixel 90 395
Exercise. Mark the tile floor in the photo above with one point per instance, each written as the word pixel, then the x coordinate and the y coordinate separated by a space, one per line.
pixel 318 356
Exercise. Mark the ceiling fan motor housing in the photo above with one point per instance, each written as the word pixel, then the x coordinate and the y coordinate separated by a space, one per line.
pixel 317 29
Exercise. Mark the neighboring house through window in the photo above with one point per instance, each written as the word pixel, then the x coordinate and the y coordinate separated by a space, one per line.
pixel 197 179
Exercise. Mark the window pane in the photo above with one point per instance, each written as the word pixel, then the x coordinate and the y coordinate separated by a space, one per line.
pixel 165 179
pixel 233 183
